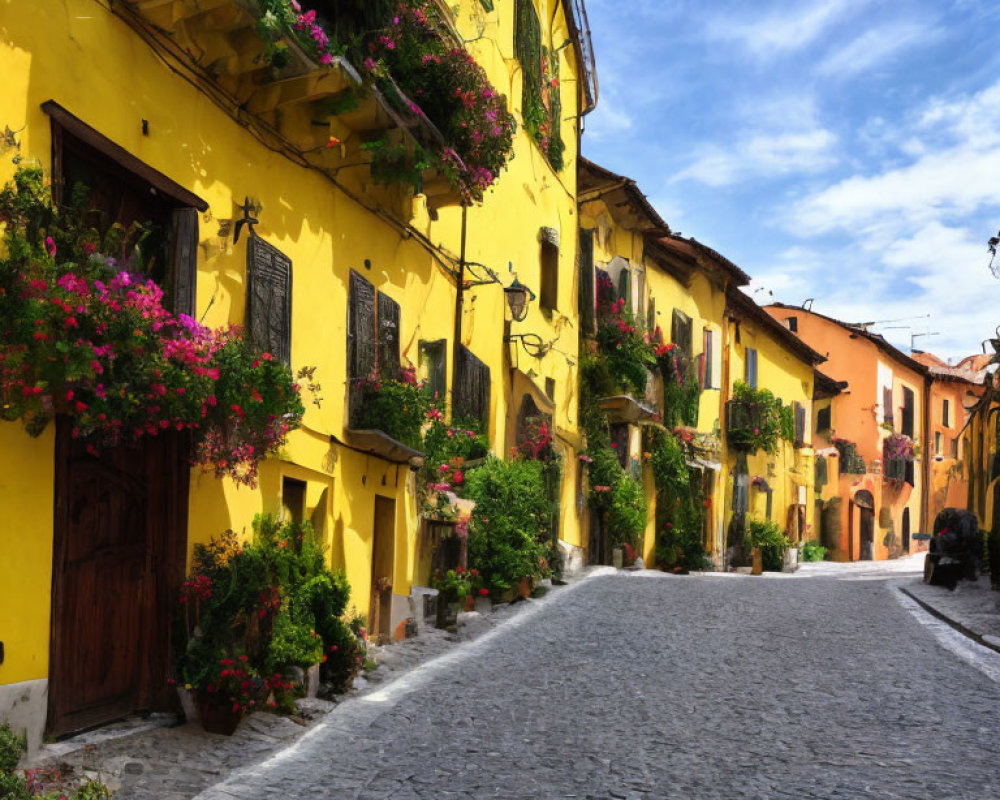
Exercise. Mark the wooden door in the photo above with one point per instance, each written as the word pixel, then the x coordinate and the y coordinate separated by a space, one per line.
pixel 906 530
pixel 383 558
pixel 867 534
pixel 120 536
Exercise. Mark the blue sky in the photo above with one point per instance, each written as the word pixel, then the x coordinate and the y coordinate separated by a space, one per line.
pixel 846 150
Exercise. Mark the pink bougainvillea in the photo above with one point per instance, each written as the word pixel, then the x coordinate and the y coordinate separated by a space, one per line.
pixel 87 336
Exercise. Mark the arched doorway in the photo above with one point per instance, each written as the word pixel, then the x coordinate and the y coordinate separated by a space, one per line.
pixel 906 530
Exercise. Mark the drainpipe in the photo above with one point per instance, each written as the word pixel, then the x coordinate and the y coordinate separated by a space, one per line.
pixel 723 399
pixel 925 497
pixel 459 302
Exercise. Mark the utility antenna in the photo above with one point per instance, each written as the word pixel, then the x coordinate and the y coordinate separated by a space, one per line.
pixel 915 336
pixel 866 325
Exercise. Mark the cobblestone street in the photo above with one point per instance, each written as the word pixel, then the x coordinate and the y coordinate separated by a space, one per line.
pixel 631 686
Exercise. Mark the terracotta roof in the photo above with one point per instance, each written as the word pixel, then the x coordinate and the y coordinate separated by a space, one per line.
pixel 876 339
pixel 825 386
pixel 965 371
pixel 596 183
pixel 737 300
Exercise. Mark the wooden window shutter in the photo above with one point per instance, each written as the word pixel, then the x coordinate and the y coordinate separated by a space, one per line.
pixel 800 424
pixel 680 332
pixel 625 288
pixel 269 298
pixel 471 399
pixel 388 337
pixel 361 337
pixel 587 298
pixel 651 315
pixel 908 409
pixel 640 304
pixel 945 414
pixel 184 259
pixel 887 409
pixel 528 49
pixel 751 367
pixel 709 355
pixel 702 371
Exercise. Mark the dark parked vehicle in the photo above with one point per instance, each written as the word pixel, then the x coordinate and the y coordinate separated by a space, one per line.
pixel 955 550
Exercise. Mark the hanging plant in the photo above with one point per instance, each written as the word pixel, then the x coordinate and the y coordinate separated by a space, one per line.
pixel 756 420
pixel 401 50
pixel 86 335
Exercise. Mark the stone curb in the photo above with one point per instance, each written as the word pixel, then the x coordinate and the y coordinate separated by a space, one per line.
pixel 978 638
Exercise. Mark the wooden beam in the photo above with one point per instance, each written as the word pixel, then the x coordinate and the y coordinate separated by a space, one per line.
pixel 93 138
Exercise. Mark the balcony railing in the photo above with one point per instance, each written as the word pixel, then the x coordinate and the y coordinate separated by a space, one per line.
pixel 326 111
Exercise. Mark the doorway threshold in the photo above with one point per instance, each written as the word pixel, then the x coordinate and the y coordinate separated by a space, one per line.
pixel 120 729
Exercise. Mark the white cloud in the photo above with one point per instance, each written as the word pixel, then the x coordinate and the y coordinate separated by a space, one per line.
pixel 781 31
pixel 874 47
pixel 609 119
pixel 762 154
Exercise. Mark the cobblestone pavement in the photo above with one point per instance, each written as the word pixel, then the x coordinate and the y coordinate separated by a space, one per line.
pixel 635 686
pixel 158 760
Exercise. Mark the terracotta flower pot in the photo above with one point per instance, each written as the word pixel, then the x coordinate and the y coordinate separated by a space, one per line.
pixel 218 717
pixel 470 603
pixel 525 587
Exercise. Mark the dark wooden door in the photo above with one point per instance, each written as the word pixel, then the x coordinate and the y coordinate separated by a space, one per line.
pixel 867 534
pixel 906 530
pixel 383 562
pixel 120 537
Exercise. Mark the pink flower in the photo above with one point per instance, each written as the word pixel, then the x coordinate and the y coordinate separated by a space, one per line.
pixel 50 246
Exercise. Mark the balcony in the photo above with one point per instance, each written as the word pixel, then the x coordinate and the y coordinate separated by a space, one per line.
pixel 626 409
pixel 327 112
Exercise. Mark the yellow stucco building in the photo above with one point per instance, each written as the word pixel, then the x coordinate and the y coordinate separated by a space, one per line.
pixel 169 97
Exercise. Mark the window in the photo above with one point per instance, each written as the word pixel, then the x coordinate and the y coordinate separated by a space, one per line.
pixel 471 398
pixel 388 337
pixel 800 424
pixel 680 332
pixel 124 190
pixel 293 499
pixel 908 409
pixel 269 298
pixel 587 278
pixel 887 407
pixel 909 473
pixel 954 448
pixel 550 389
pixel 434 366
pixel 938 444
pixel 823 421
pixel 640 300
pixel 625 287
pixel 709 350
pixel 372 336
pixel 945 414
pixel 751 367
pixel 549 294
pixel 792 323
pixel 540 101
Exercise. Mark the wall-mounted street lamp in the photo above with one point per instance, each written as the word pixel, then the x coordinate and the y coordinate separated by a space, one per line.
pixel 518 296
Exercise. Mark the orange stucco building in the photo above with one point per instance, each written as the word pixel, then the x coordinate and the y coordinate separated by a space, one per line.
pixel 873 465
pixel 954 389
